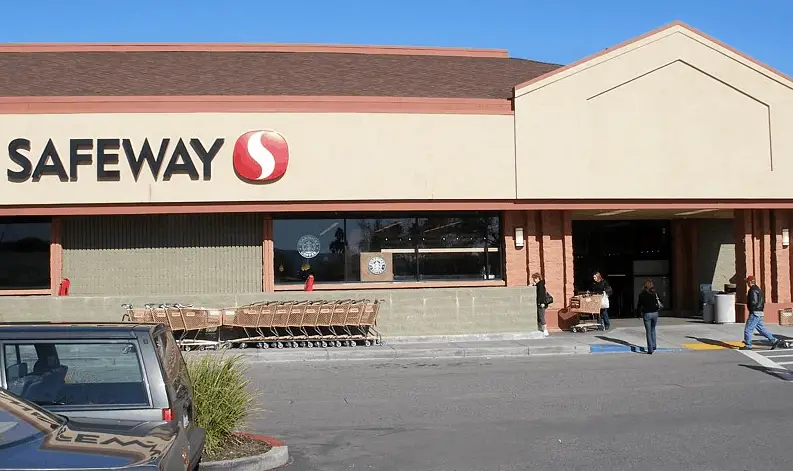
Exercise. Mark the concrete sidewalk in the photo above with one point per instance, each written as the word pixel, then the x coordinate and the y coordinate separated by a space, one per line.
pixel 628 336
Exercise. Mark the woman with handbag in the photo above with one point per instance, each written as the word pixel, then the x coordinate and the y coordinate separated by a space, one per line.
pixel 544 299
pixel 649 306
pixel 601 286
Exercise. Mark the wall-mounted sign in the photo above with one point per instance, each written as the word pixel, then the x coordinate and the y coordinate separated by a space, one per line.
pixel 309 246
pixel 377 266
pixel 164 159
pixel 259 156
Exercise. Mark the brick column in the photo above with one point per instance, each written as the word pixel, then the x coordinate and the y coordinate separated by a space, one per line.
pixel 533 242
pixel 780 263
pixel 268 256
pixel 679 266
pixel 514 257
pixel 56 255
pixel 569 270
pixel 766 255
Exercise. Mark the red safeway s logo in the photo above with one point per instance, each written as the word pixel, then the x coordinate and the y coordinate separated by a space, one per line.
pixel 261 156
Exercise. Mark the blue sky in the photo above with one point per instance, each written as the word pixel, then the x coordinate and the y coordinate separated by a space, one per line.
pixel 555 31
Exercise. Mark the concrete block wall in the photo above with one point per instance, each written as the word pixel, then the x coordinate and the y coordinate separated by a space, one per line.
pixel 160 254
pixel 406 312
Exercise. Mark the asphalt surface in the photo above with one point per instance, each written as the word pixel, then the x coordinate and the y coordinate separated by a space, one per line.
pixel 714 410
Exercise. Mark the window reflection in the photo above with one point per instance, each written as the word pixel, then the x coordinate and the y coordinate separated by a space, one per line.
pixel 308 246
pixel 397 236
pixel 435 247
pixel 24 253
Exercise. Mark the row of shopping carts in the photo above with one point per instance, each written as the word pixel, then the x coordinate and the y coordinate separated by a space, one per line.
pixel 276 324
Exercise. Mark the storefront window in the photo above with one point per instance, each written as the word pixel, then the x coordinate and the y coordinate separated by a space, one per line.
pixel 24 254
pixel 436 247
pixel 309 246
pixel 395 236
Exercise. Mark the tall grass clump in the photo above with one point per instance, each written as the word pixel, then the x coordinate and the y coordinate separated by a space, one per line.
pixel 223 399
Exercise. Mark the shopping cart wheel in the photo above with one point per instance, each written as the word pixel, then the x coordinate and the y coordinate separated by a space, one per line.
pixel 323 344
pixel 243 345
pixel 265 345
pixel 202 349
pixel 309 344
pixel 338 343
pixel 367 343
pixel 294 344
pixel 353 343
pixel 279 345
pixel 186 348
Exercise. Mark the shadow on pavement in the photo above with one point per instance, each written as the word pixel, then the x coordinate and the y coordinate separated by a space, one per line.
pixel 634 348
pixel 717 343
pixel 781 373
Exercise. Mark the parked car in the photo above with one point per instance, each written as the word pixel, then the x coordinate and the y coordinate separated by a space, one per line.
pixel 125 372
pixel 31 438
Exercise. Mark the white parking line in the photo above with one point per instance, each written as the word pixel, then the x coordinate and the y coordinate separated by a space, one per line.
pixel 784 363
pixel 778 356
pixel 762 360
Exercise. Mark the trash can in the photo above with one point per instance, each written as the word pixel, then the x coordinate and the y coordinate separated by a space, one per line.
pixel 707 296
pixel 707 313
pixel 724 309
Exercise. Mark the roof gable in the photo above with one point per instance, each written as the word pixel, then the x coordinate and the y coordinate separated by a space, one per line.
pixel 676 28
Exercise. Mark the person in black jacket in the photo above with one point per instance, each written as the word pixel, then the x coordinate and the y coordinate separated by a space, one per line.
pixel 649 306
pixel 602 287
pixel 542 302
pixel 756 303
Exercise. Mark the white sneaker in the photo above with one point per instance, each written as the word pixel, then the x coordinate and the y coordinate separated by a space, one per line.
pixel 545 333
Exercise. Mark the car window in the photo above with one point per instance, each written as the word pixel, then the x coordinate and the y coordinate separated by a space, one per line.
pixel 78 374
pixel 172 362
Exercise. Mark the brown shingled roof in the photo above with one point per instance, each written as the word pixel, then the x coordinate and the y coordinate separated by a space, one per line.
pixel 261 73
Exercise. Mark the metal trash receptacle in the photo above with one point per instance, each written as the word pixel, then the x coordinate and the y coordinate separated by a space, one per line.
pixel 707 313
pixel 724 308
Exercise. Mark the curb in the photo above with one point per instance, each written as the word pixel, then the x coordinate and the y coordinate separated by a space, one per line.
pixel 275 458
pixel 504 336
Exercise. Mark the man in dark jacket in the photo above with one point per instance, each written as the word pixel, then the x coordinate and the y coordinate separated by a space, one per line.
pixel 542 302
pixel 755 302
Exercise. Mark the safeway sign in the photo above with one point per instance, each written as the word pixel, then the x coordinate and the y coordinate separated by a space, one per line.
pixel 101 159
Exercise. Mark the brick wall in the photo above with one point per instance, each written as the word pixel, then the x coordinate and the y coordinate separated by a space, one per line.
pixel 759 252
pixel 548 250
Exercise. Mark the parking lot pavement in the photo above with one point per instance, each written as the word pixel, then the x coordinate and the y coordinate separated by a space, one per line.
pixel 683 411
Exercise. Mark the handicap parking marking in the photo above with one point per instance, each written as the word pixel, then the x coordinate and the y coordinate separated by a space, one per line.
pixel 611 348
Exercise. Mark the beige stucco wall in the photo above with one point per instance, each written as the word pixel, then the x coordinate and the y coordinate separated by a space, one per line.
pixel 333 156
pixel 671 116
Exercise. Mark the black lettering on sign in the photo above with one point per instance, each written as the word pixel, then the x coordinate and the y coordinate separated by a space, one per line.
pixel 207 156
pixel 43 167
pixel 107 154
pixel 146 155
pixel 25 166
pixel 180 163
pixel 77 157
pixel 87 438
pixel 62 437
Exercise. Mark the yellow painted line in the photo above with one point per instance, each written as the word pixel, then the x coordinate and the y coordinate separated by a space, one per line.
pixel 707 346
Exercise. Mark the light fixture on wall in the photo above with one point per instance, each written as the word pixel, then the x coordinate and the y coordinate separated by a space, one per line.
pixel 518 237
pixel 785 237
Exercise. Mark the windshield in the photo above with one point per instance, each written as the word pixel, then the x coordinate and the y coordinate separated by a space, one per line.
pixel 21 420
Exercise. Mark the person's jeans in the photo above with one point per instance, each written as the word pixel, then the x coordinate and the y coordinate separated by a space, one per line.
pixel 755 321
pixel 604 319
pixel 540 318
pixel 650 321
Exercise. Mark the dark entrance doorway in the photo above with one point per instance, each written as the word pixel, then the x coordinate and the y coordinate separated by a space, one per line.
pixel 625 252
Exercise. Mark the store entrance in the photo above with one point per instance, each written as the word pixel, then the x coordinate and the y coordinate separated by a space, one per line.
pixel 626 253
